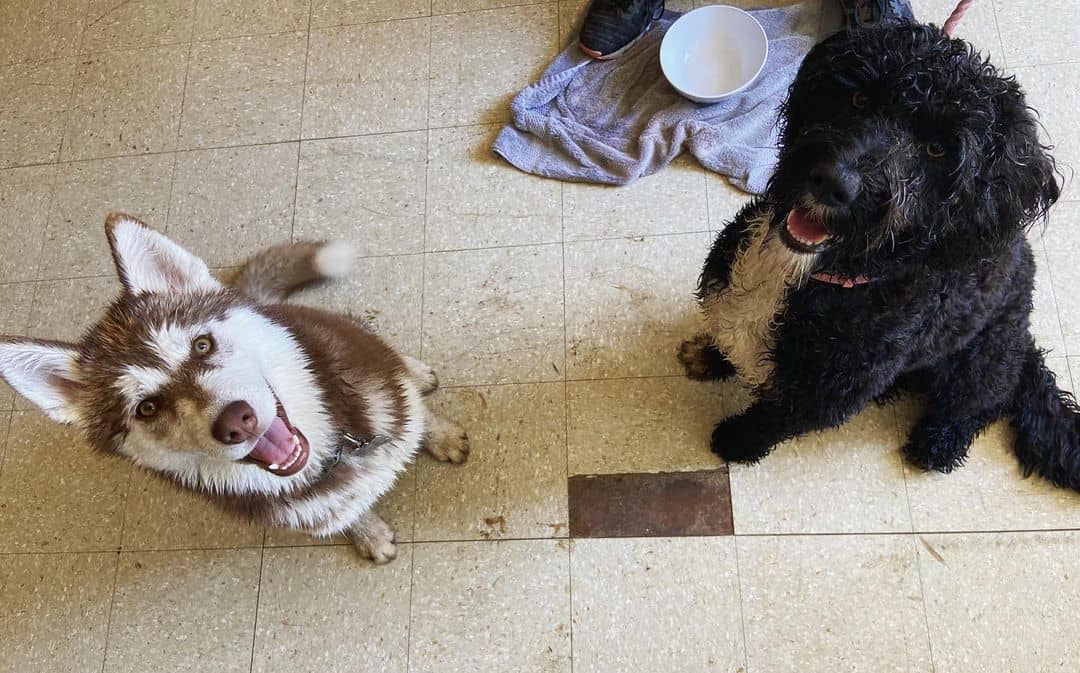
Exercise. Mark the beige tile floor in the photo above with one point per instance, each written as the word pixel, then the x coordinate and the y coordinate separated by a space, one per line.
pixel 551 312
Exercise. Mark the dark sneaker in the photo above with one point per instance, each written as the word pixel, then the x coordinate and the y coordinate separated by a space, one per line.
pixel 868 13
pixel 611 26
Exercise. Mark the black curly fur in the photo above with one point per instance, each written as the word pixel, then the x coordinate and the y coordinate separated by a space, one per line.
pixel 951 174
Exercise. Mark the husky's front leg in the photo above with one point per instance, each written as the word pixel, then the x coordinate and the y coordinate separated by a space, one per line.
pixel 373 538
pixel 422 374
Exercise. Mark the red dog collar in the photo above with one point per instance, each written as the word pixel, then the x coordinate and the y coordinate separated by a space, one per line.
pixel 842 281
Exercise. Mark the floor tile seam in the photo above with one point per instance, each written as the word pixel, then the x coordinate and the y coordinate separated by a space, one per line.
pixel 568 380
pixel 566 394
pixel 179 131
pixel 255 620
pixel 1000 37
pixel 922 596
pixel 1041 64
pixel 7 439
pixel 420 345
pixel 742 606
pixel 531 3
pixel 1054 295
pixel 112 604
pixel 901 442
pixel 82 52
pixel 116 571
pixel 68 114
pixel 300 124
pixel 301 139
pixel 1016 532
pixel 573 241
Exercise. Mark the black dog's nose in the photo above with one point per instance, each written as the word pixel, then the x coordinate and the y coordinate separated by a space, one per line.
pixel 834 184
pixel 236 423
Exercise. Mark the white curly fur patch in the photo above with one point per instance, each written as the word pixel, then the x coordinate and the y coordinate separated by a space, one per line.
pixel 742 316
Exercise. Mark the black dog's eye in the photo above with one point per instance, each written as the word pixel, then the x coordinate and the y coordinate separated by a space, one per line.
pixel 935 149
pixel 859 100
pixel 147 409
pixel 203 345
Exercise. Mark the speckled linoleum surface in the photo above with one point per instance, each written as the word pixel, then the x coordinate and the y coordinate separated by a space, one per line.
pixel 551 312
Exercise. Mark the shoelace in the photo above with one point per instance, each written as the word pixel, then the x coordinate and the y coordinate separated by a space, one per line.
pixel 624 6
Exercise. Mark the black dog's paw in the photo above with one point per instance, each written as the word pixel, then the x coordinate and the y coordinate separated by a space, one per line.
pixel 703 361
pixel 938 449
pixel 736 441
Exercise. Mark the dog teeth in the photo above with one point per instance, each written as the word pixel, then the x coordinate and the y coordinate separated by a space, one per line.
pixel 292 458
pixel 295 455
pixel 804 241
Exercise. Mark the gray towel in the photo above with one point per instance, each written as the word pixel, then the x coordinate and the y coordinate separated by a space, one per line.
pixel 615 121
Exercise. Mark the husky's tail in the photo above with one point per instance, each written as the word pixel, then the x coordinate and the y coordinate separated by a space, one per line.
pixel 275 273
pixel 1047 422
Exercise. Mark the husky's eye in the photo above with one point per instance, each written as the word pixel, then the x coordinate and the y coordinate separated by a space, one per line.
pixel 147 409
pixel 859 100
pixel 203 345
pixel 935 149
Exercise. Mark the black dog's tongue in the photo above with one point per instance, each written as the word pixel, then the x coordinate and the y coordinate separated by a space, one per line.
pixel 805 227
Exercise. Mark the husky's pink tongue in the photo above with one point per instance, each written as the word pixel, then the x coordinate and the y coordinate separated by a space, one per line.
pixel 280 450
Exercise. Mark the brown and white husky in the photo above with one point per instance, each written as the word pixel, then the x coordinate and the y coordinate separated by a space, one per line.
pixel 288 415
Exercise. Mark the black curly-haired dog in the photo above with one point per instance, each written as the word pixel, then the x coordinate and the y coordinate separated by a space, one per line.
pixel 889 252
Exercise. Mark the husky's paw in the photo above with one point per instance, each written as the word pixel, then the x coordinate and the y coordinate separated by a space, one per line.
pixel 449 444
pixel 374 539
pixel 424 375
pixel 703 361
pixel 380 552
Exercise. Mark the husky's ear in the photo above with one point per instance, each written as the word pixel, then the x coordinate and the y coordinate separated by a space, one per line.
pixel 44 373
pixel 147 261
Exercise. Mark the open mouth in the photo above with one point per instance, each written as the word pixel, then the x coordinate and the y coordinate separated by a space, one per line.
pixel 803 232
pixel 282 449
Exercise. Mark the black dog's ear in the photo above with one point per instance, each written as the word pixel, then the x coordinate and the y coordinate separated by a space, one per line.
pixel 1024 176
pixel 1012 184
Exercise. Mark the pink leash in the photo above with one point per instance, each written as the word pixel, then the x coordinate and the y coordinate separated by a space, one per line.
pixel 961 8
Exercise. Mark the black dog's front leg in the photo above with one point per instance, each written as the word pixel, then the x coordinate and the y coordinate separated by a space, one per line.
pixel 751 435
pixel 807 392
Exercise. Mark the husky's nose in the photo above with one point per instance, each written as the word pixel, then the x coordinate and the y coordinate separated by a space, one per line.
pixel 834 184
pixel 236 423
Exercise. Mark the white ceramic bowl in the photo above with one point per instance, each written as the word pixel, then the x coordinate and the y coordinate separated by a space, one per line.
pixel 713 52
